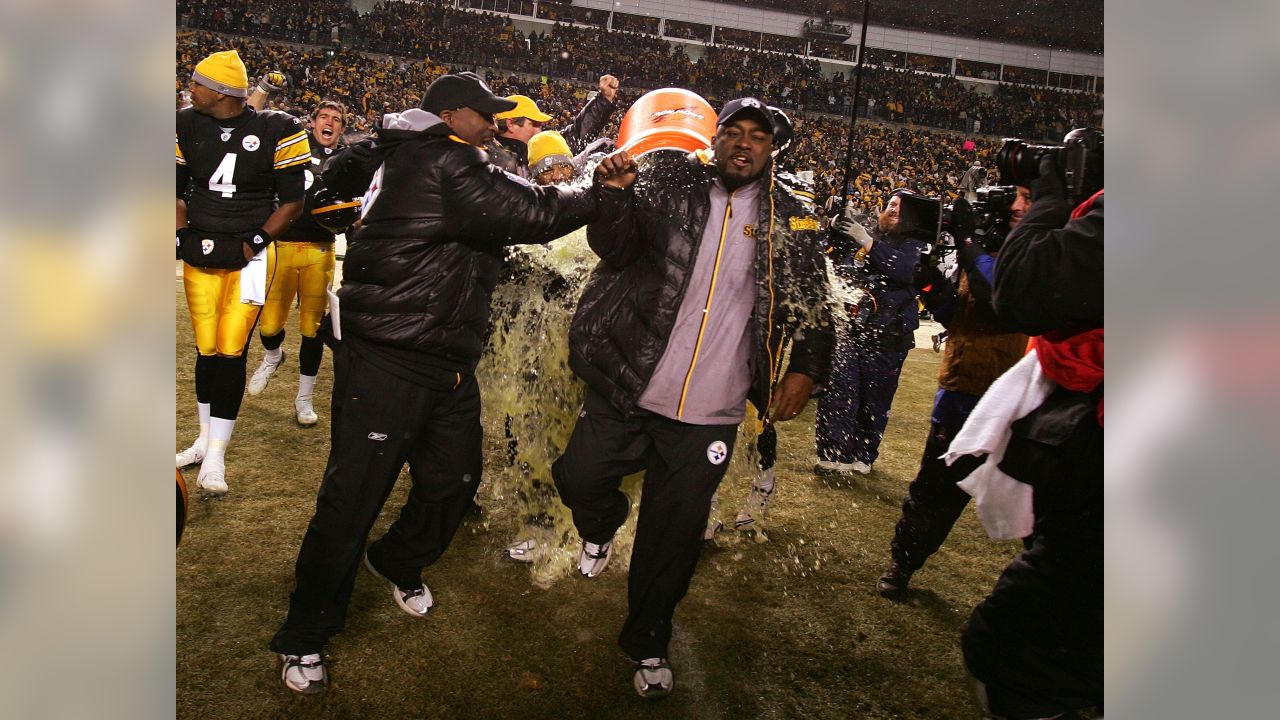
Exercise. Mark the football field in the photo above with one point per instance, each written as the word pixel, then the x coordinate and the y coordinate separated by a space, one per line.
pixel 786 625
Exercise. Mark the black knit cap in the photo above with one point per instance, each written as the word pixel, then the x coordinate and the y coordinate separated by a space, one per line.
pixel 465 89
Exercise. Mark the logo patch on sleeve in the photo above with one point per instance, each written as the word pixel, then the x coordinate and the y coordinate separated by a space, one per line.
pixel 803 223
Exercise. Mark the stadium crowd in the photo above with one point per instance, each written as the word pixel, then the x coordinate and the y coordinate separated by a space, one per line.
pixel 431 30
pixel 894 157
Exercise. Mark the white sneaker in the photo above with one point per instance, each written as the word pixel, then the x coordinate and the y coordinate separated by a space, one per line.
pixel 755 508
pixel 306 413
pixel 304 673
pixel 416 602
pixel 831 467
pixel 263 374
pixel 212 481
pixel 654 678
pixel 861 468
pixel 192 455
pixel 522 550
pixel 593 558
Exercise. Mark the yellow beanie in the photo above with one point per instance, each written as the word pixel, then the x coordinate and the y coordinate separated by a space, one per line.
pixel 548 149
pixel 224 72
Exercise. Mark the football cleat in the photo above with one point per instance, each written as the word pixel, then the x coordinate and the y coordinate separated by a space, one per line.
pixel 263 375
pixel 192 455
pixel 306 412
pixel 212 481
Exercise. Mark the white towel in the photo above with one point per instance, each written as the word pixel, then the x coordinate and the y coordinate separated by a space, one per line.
pixel 334 319
pixel 1003 504
pixel 253 280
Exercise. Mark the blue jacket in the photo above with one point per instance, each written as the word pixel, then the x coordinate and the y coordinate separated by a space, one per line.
pixel 888 274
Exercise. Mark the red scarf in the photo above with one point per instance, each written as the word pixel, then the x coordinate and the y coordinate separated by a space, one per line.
pixel 1074 362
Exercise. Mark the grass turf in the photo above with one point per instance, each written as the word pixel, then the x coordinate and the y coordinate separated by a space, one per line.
pixel 791 627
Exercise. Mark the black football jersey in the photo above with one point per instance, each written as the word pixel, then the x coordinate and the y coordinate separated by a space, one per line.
pixel 232 165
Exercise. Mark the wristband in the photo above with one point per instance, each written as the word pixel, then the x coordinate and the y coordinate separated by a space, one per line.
pixel 258 240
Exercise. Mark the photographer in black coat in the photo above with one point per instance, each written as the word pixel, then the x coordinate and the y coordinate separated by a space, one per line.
pixel 1035 644
pixel 414 310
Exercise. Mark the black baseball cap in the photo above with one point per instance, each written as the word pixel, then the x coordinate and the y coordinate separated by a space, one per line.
pixel 465 89
pixel 747 105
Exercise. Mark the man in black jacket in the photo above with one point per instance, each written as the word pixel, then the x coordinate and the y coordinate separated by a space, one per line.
pixel 704 271
pixel 1035 644
pixel 413 315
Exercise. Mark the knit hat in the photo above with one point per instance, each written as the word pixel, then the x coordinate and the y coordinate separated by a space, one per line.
pixel 525 108
pixel 548 149
pixel 224 72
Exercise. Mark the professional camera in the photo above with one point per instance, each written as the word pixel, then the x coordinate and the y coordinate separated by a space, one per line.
pixel 990 213
pixel 1078 161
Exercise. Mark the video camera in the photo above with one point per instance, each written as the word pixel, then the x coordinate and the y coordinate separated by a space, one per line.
pixel 991 214
pixel 1078 161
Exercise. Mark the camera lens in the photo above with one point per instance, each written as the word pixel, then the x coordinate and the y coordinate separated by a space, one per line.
pixel 1019 162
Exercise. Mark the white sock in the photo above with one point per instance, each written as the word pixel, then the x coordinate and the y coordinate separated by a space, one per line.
pixel 764 481
pixel 219 435
pixel 202 409
pixel 274 356
pixel 306 384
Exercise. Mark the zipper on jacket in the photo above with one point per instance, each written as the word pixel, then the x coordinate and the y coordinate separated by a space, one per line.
pixel 706 308
pixel 768 323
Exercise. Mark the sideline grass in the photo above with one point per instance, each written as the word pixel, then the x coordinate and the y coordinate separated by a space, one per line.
pixel 790 628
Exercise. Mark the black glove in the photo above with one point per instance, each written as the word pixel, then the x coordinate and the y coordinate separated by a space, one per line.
pixel 962 220
pixel 211 252
pixel 1049 184
pixel 257 240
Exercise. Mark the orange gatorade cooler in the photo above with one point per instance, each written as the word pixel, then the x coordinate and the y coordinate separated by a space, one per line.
pixel 667 119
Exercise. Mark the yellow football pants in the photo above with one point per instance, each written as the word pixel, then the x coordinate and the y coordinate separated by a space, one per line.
pixel 303 270
pixel 222 323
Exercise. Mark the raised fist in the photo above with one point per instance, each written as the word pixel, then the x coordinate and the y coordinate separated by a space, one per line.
pixel 273 81
pixel 609 87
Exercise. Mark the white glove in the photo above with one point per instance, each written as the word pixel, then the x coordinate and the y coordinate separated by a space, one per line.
pixel 847 224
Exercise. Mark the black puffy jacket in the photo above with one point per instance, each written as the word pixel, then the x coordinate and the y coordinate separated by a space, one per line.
pixel 419 271
pixel 647 238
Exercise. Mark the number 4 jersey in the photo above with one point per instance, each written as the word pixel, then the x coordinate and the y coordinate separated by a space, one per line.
pixel 234 166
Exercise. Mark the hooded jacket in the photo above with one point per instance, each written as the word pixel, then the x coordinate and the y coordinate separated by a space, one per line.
pixel 419 271
pixel 647 238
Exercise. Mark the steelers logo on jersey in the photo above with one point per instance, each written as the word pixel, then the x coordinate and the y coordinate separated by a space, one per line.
pixel 206 246
pixel 250 142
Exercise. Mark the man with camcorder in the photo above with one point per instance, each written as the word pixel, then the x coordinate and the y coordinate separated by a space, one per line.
pixel 978 350
pixel 1034 645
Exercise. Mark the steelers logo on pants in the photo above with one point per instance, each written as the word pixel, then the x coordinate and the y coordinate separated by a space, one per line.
pixel 717 452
